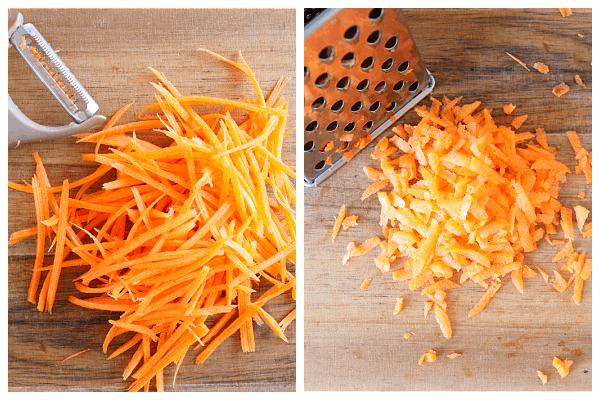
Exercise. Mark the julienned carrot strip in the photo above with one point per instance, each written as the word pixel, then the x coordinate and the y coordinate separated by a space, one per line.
pixel 75 355
pixel 181 232
pixel 17 236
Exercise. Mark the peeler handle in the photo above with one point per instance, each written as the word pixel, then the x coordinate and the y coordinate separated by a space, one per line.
pixel 22 130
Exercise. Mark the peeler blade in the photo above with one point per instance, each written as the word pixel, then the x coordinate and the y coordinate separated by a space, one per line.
pixel 53 73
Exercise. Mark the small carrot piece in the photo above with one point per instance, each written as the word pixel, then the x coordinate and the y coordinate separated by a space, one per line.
pixel 562 367
pixel 429 357
pixel 399 305
pixel 541 67
pixel 74 355
pixel 560 89
pixel 338 222
pixel 519 61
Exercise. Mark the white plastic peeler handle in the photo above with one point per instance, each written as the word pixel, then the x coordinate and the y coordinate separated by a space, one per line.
pixel 21 129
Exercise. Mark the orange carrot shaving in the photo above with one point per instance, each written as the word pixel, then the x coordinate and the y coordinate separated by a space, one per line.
pixel 483 302
pixel 429 357
pixel 452 356
pixel 365 284
pixel 338 222
pixel 543 377
pixel 349 221
pixel 541 67
pixel 564 252
pixel 518 121
pixel 579 81
pixel 560 89
pixel 566 222
pixel 509 108
pixel 519 61
pixel 408 334
pixel 183 233
pixel 565 12
pixel 544 274
pixel 562 366
pixel 399 305
pixel 581 214
pixel 74 355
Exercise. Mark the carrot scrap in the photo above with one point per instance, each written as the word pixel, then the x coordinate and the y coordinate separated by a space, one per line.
pixel 565 12
pixel 545 276
pixel 519 61
pixel 543 377
pixel 427 307
pixel 562 366
pixel 365 284
pixel 564 252
pixel 581 214
pixel 560 89
pixel 429 357
pixel 408 334
pixel 399 305
pixel 509 108
pixel 350 220
pixel 338 222
pixel 541 67
pixel 566 222
pixel 518 121
pixel 183 233
pixel 454 355
pixel 74 355
pixel 579 81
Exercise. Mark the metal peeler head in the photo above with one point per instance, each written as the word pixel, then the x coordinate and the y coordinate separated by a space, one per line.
pixel 59 80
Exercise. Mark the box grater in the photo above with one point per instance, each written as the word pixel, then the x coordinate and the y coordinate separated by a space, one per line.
pixel 362 71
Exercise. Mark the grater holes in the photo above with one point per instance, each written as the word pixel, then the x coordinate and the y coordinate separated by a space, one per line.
pixel 350 127
pixel 343 84
pixel 380 88
pixel 319 104
pixel 367 64
pixel 391 106
pixel 349 60
pixel 363 85
pixel 403 67
pixel 338 106
pixel 376 14
pixel 356 107
pixel 375 107
pixel 374 38
pixel 308 146
pixel 332 127
pixel 326 55
pixel 387 65
pixel 398 86
pixel 312 127
pixel 413 88
pixel 367 127
pixel 322 80
pixel 320 165
pixel 391 43
pixel 351 34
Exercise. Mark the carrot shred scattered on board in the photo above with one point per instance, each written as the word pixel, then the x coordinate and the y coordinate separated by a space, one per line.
pixel 518 121
pixel 185 232
pixel 399 305
pixel 349 221
pixel 454 355
pixel 509 108
pixel 408 335
pixel 519 61
pixel 579 81
pixel 543 377
pixel 565 12
pixel 338 222
pixel 429 357
pixel 74 355
pixel 541 67
pixel 560 89
pixel 365 284
pixel 562 367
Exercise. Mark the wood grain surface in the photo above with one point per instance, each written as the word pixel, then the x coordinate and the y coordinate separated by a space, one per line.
pixel 352 339
pixel 109 51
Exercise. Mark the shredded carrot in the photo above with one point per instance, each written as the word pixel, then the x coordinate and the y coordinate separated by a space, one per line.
pixel 185 232
pixel 399 305
pixel 429 357
pixel 365 284
pixel 519 61
pixel 562 367
pixel 541 67
pixel 338 222
pixel 543 377
pixel 452 356
pixel 579 81
pixel 564 252
pixel 518 121
pixel 560 89
pixel 350 220
pixel 74 355
pixel 408 335
pixel 509 108
pixel 581 195
pixel 544 274
pixel 565 12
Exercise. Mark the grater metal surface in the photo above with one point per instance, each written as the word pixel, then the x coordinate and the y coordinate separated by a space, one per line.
pixel 362 71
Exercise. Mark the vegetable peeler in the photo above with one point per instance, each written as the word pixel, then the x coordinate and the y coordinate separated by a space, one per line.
pixel 63 85
pixel 362 72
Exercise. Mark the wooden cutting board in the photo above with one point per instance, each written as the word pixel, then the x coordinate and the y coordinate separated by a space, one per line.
pixel 109 51
pixel 352 339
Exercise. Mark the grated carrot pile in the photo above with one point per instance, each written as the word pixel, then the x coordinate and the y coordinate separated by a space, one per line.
pixel 182 233
pixel 466 203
